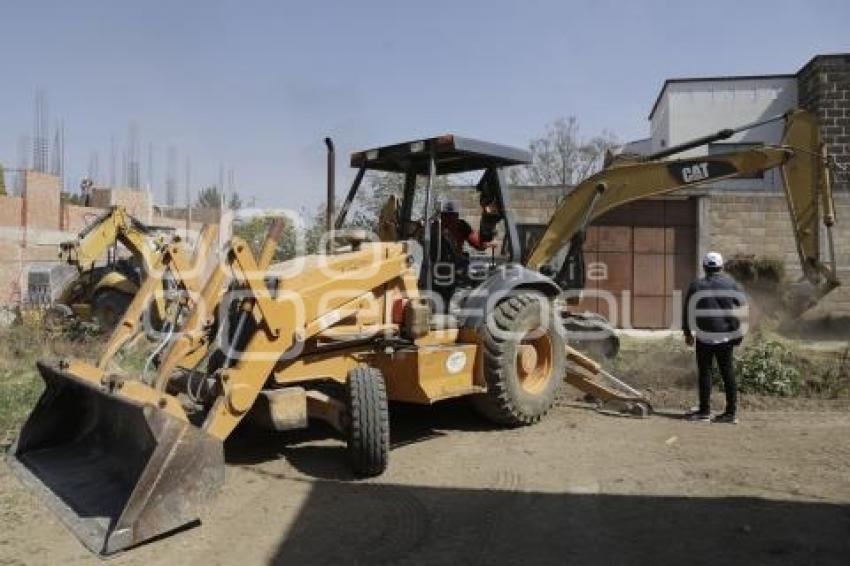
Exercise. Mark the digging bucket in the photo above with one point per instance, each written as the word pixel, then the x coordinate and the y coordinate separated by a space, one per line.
pixel 116 472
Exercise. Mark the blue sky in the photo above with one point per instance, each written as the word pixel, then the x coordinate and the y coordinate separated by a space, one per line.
pixel 257 85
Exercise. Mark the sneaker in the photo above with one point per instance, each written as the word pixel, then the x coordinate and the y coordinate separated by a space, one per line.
pixel 697 416
pixel 726 418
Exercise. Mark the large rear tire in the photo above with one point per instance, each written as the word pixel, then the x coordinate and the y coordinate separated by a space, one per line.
pixel 108 306
pixel 369 427
pixel 524 360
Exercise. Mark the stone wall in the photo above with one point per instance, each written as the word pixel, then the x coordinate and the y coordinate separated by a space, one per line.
pixel 824 88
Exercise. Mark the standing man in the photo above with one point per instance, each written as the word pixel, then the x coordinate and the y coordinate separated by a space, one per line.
pixel 709 306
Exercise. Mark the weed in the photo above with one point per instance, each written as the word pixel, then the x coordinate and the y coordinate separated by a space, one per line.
pixel 830 379
pixel 768 367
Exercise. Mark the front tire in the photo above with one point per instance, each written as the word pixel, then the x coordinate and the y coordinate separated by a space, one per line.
pixel 369 426
pixel 524 360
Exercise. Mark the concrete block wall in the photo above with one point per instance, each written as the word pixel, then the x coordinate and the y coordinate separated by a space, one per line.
pixel 824 88
pixel 531 205
pixel 742 224
pixel 758 224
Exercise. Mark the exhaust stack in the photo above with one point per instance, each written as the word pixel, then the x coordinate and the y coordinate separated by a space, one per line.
pixel 331 197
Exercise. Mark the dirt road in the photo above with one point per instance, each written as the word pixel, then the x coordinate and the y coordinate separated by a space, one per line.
pixel 579 488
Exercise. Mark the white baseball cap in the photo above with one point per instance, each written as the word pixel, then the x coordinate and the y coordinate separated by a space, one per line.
pixel 713 260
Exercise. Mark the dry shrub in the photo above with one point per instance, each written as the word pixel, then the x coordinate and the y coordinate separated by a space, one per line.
pixel 757 272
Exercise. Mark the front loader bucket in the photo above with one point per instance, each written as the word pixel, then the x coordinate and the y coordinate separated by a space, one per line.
pixel 115 471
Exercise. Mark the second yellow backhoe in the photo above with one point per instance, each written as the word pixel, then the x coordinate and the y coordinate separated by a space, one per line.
pixel 336 336
pixel 107 276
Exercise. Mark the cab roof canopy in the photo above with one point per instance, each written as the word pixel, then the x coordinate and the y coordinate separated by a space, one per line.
pixel 453 154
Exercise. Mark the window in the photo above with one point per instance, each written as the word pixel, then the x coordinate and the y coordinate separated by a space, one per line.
pixel 723 148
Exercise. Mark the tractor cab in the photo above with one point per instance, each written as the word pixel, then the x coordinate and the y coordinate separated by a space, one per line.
pixel 417 215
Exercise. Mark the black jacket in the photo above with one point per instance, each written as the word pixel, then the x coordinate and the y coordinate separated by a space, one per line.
pixel 715 292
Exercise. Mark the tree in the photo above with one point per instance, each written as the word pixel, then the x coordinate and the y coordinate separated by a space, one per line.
pixel 254 230
pixel 314 228
pixel 234 202
pixel 210 197
pixel 373 194
pixel 2 181
pixel 379 187
pixel 561 157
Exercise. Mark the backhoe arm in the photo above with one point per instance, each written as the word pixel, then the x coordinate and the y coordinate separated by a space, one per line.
pixel 808 191
pixel 185 269
pixel 115 226
pixel 804 172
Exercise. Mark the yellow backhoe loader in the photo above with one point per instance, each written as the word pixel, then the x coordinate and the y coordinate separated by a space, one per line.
pixel 336 336
pixel 102 290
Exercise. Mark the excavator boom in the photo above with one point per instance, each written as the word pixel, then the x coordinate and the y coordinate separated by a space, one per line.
pixel 805 178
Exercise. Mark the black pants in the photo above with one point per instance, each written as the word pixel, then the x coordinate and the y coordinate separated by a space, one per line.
pixel 706 353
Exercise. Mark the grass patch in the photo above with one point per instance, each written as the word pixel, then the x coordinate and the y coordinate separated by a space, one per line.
pixel 19 390
pixel 20 383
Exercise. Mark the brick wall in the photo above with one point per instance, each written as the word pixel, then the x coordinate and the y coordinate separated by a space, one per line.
pixel 176 223
pixel 32 226
pixel 824 89
pixel 203 215
pixel 138 203
pixel 75 218
pixel 10 270
pixel 41 206
pixel 11 210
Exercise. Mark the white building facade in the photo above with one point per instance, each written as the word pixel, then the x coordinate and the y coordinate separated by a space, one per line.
pixel 691 108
